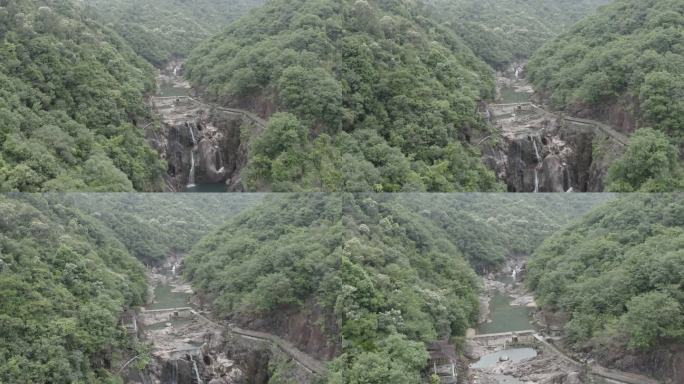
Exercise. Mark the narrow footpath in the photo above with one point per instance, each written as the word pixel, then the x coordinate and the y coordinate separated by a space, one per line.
pixel 180 331
pixel 502 351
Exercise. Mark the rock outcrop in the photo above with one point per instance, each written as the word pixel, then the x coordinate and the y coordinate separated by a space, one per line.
pixel 535 150
pixel 201 143
pixel 309 329
pixel 543 152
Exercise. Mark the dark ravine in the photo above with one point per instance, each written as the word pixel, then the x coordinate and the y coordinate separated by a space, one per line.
pixel 201 143
pixel 542 151
pixel 534 150
pixel 187 347
pixel 551 364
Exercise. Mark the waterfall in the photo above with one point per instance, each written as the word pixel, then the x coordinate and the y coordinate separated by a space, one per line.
pixel 174 372
pixel 536 149
pixel 220 158
pixel 191 177
pixel 194 367
pixel 192 135
pixel 536 181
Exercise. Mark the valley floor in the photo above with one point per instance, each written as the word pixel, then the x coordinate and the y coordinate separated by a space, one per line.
pixel 513 346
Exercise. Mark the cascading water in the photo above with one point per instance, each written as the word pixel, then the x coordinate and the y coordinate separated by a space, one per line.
pixel 192 135
pixel 194 367
pixel 174 372
pixel 536 149
pixel 191 176
pixel 536 181
pixel 220 158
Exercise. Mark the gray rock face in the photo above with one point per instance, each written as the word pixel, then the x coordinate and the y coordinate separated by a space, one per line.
pixel 195 139
pixel 553 174
pixel 544 153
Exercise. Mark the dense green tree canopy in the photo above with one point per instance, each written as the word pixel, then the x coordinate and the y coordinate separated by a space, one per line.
pixel 161 29
pixel 630 52
pixel 650 164
pixel 619 273
pixel 488 228
pixel 70 94
pixel 64 280
pixel 387 99
pixel 384 272
pixel 501 31
pixel 153 226
pixel 629 56
pixel 68 269
pixel 395 271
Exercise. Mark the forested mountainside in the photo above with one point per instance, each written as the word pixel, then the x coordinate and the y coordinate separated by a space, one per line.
pixel 624 65
pixel 502 31
pixel 372 95
pixel 619 275
pixel 71 264
pixel 64 280
pixel 382 274
pixel 489 228
pixel 70 96
pixel 152 226
pixel 161 29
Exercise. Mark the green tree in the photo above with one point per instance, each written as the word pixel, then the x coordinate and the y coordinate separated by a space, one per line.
pixel 662 102
pixel 650 164
pixel 652 317
pixel 100 175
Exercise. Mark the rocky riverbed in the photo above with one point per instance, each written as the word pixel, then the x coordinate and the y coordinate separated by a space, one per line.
pixel 516 358
pixel 186 346
pixel 534 150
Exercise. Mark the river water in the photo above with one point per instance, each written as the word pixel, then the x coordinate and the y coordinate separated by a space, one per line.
pixel 166 295
pixel 172 90
pixel 170 292
pixel 513 95
pixel 512 354
pixel 505 318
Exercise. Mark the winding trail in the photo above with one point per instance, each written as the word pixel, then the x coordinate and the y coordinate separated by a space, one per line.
pixel 594 372
pixel 247 115
pixel 597 370
pixel 305 361
pixel 598 126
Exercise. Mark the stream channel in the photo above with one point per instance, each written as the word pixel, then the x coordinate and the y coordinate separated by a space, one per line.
pixel 172 84
pixel 504 317
pixel 170 292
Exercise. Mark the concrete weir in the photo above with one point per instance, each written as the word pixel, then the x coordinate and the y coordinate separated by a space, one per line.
pixel 592 373
pixel 154 316
pixel 505 338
